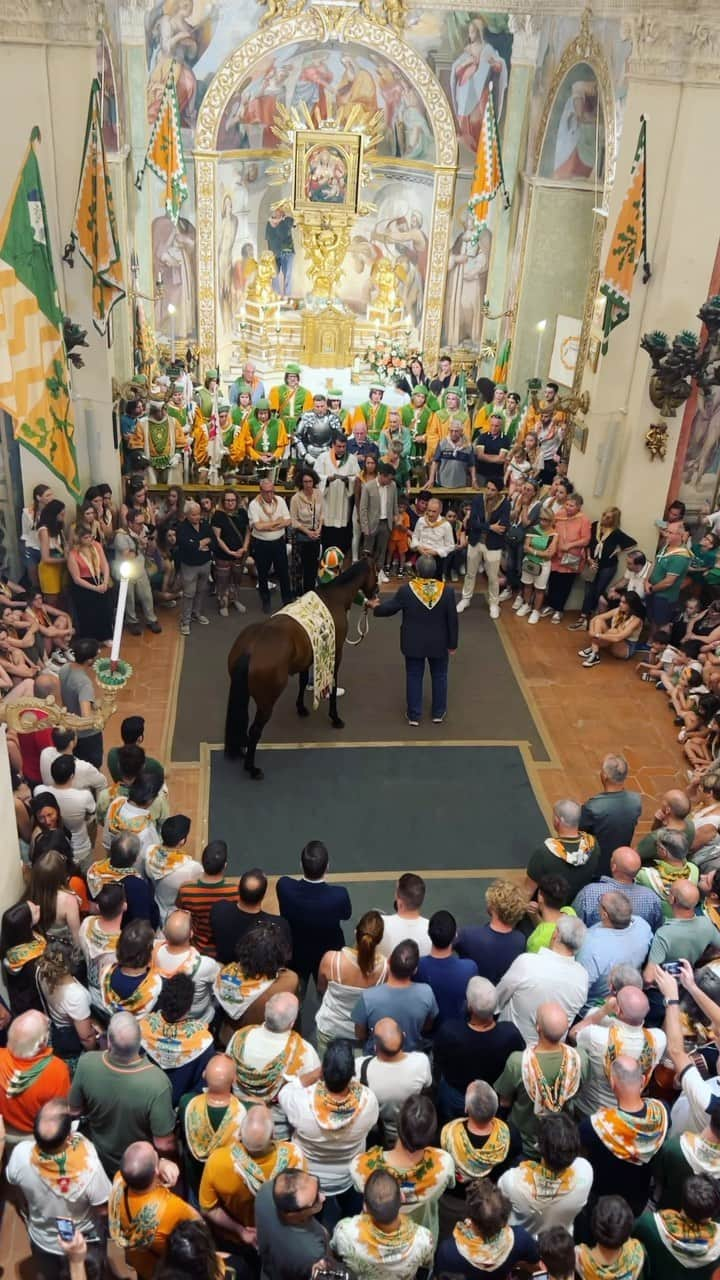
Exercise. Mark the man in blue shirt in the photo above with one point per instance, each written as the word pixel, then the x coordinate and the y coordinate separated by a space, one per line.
pixel 624 866
pixel 444 972
pixel 411 1004
pixel 619 938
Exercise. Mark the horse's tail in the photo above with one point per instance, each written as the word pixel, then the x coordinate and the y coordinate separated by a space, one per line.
pixel 236 719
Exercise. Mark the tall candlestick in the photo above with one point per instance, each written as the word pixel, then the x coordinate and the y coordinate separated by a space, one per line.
pixel 171 313
pixel 125 575
pixel 540 327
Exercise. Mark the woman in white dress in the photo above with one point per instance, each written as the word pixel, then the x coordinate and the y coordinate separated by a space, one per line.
pixel 343 974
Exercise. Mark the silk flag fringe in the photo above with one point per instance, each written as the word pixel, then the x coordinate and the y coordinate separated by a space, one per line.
pixel 629 244
pixel 94 230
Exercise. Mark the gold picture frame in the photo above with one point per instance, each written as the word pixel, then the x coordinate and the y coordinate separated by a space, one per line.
pixel 326 171
pixel 593 352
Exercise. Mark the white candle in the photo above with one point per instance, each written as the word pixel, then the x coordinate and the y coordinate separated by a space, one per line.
pixel 125 575
pixel 171 313
pixel 540 326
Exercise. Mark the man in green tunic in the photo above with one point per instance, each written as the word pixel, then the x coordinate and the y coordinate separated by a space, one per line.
pixel 373 412
pixel 290 399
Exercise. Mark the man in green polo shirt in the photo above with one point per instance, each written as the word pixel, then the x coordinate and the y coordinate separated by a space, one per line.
pixel 667 576
pixel 132 732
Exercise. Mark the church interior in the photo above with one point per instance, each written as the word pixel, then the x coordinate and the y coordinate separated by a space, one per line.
pixel 346 186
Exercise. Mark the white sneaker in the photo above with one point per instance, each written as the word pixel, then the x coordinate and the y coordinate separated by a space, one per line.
pixel 557 616
pixel 240 607
pixel 463 605
pixel 534 617
pixel 382 576
pixel 494 611
pixel 545 613
pixel 224 612
pixel 200 617
pixel 523 609
pixel 505 595
pixel 517 602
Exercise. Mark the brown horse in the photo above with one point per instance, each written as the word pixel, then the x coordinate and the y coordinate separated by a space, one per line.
pixel 266 654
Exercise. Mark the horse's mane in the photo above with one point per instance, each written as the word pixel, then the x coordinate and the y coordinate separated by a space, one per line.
pixel 348 575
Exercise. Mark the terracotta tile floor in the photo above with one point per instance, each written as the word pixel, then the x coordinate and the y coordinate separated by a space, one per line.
pixel 586 714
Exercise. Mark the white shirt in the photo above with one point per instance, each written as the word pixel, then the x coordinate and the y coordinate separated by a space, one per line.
pixel 559 1211
pixel 166 888
pixel 347 1243
pixel 338 494
pixel 438 538
pixel 96 956
pixel 76 806
pixel 637 582
pixel 533 979
pixel 86 775
pixel 397 928
pixel 595 1092
pixel 46 1206
pixel 393 1082
pixel 262 512
pixel 327 1151
pixel 383 492
pixel 690 1110
pixel 67 1004
pixel 147 836
pixel 202 969
pixel 261 1046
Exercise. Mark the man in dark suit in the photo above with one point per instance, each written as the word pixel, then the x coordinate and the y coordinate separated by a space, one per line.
pixel 313 909
pixel 429 631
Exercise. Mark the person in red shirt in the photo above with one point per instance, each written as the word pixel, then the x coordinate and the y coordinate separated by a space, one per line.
pixel 25 748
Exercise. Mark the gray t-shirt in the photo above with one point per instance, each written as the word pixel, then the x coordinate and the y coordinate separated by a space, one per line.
pixel 286 1252
pixel 683 940
pixel 76 687
pixel 411 1007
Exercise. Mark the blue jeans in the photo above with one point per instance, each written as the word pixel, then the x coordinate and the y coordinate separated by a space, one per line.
pixel 414 676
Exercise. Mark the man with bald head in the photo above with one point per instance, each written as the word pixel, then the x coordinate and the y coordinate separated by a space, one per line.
pixel 619 937
pixel 671 865
pixel 613 1028
pixel 266 1057
pixel 542 1077
pixel 234 1174
pixel 176 954
pixel 122 1096
pixel 672 813
pixel 60 1176
pixel 142 1203
pixel 621 1140
pixel 685 936
pixel 624 866
pixel 569 852
pixel 393 1074
pixel 30 1074
pixel 612 815
pixel 209 1120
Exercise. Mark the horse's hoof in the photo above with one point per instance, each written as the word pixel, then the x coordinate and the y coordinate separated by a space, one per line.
pixel 337 723
pixel 303 711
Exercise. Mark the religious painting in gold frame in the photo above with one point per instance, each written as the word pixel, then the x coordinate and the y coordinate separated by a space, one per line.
pixel 326 171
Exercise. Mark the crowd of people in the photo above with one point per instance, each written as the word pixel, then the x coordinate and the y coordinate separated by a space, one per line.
pixel 207 1086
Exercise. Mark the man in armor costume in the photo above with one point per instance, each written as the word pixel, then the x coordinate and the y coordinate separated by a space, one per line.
pixel 316 430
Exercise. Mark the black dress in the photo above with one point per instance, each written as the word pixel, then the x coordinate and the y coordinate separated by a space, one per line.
pixel 94 610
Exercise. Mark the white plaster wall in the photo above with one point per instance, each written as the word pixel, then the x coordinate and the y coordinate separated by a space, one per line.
pixel 11 879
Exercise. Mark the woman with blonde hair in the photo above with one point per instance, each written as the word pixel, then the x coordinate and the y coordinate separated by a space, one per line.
pixel 66 1001
pixel 343 975
pixel 607 540
pixel 494 946
pixel 59 906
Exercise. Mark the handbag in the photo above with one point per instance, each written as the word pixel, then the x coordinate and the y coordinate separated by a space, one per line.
pixel 571 559
pixel 590 572
pixel 515 535
pixel 532 568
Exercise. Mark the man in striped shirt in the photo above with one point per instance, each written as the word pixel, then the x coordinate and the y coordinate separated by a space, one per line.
pixel 198 897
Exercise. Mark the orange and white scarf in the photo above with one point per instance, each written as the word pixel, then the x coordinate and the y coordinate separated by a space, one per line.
pixel 139 1002
pixel 543 1184
pixel 692 1244
pixel 97 940
pixel 484 1255
pixel 67 1172
pixel 628 1265
pixel 134 1231
pixel 200 1136
pixel 544 1094
pixel 116 825
pixel 384 1248
pixel 629 1137
pixel 17 957
pixel 470 1161
pixel 160 862
pixel 333 1113
pixel 189 964
pixel 574 857
pixel 419 1182
pixel 263 1084
pixel 235 993
pixel 103 872
pixel 646 1059
pixel 287 1156
pixel 702 1155
pixel 173 1044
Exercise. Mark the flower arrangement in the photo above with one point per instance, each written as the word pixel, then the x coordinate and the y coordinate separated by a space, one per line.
pixel 390 358
pixel 112 675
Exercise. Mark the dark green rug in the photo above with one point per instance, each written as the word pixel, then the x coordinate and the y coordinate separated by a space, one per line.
pixel 486 701
pixel 380 809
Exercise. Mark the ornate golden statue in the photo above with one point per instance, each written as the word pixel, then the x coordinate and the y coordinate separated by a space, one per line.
pixel 261 290
pixel 277 10
pixel 325 249
pixel 384 279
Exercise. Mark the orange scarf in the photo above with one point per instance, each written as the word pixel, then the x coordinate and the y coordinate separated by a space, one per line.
pixel 335 1113
pixel 632 1138
pixel 66 1172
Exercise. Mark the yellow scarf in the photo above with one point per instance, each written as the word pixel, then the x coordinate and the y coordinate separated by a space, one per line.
pixel 702 1155
pixel 287 1156
pixel 574 857
pixel 235 993
pixel 662 876
pixel 142 998
pixel 627 1266
pixel 417 1182
pixel 17 957
pixel 139 1230
pixel 543 1183
pixel 116 825
pixel 427 590
pixel 67 1172
pixel 692 1244
pixel 263 1084
pixel 336 1113
pixel 159 861
pixel 547 1096
pixel 646 1060
pixel 173 1044
pixel 485 1255
pixel 200 1136
pixel 189 965
pixel 386 1248
pixel 632 1138
pixel 475 1162
pixel 102 873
